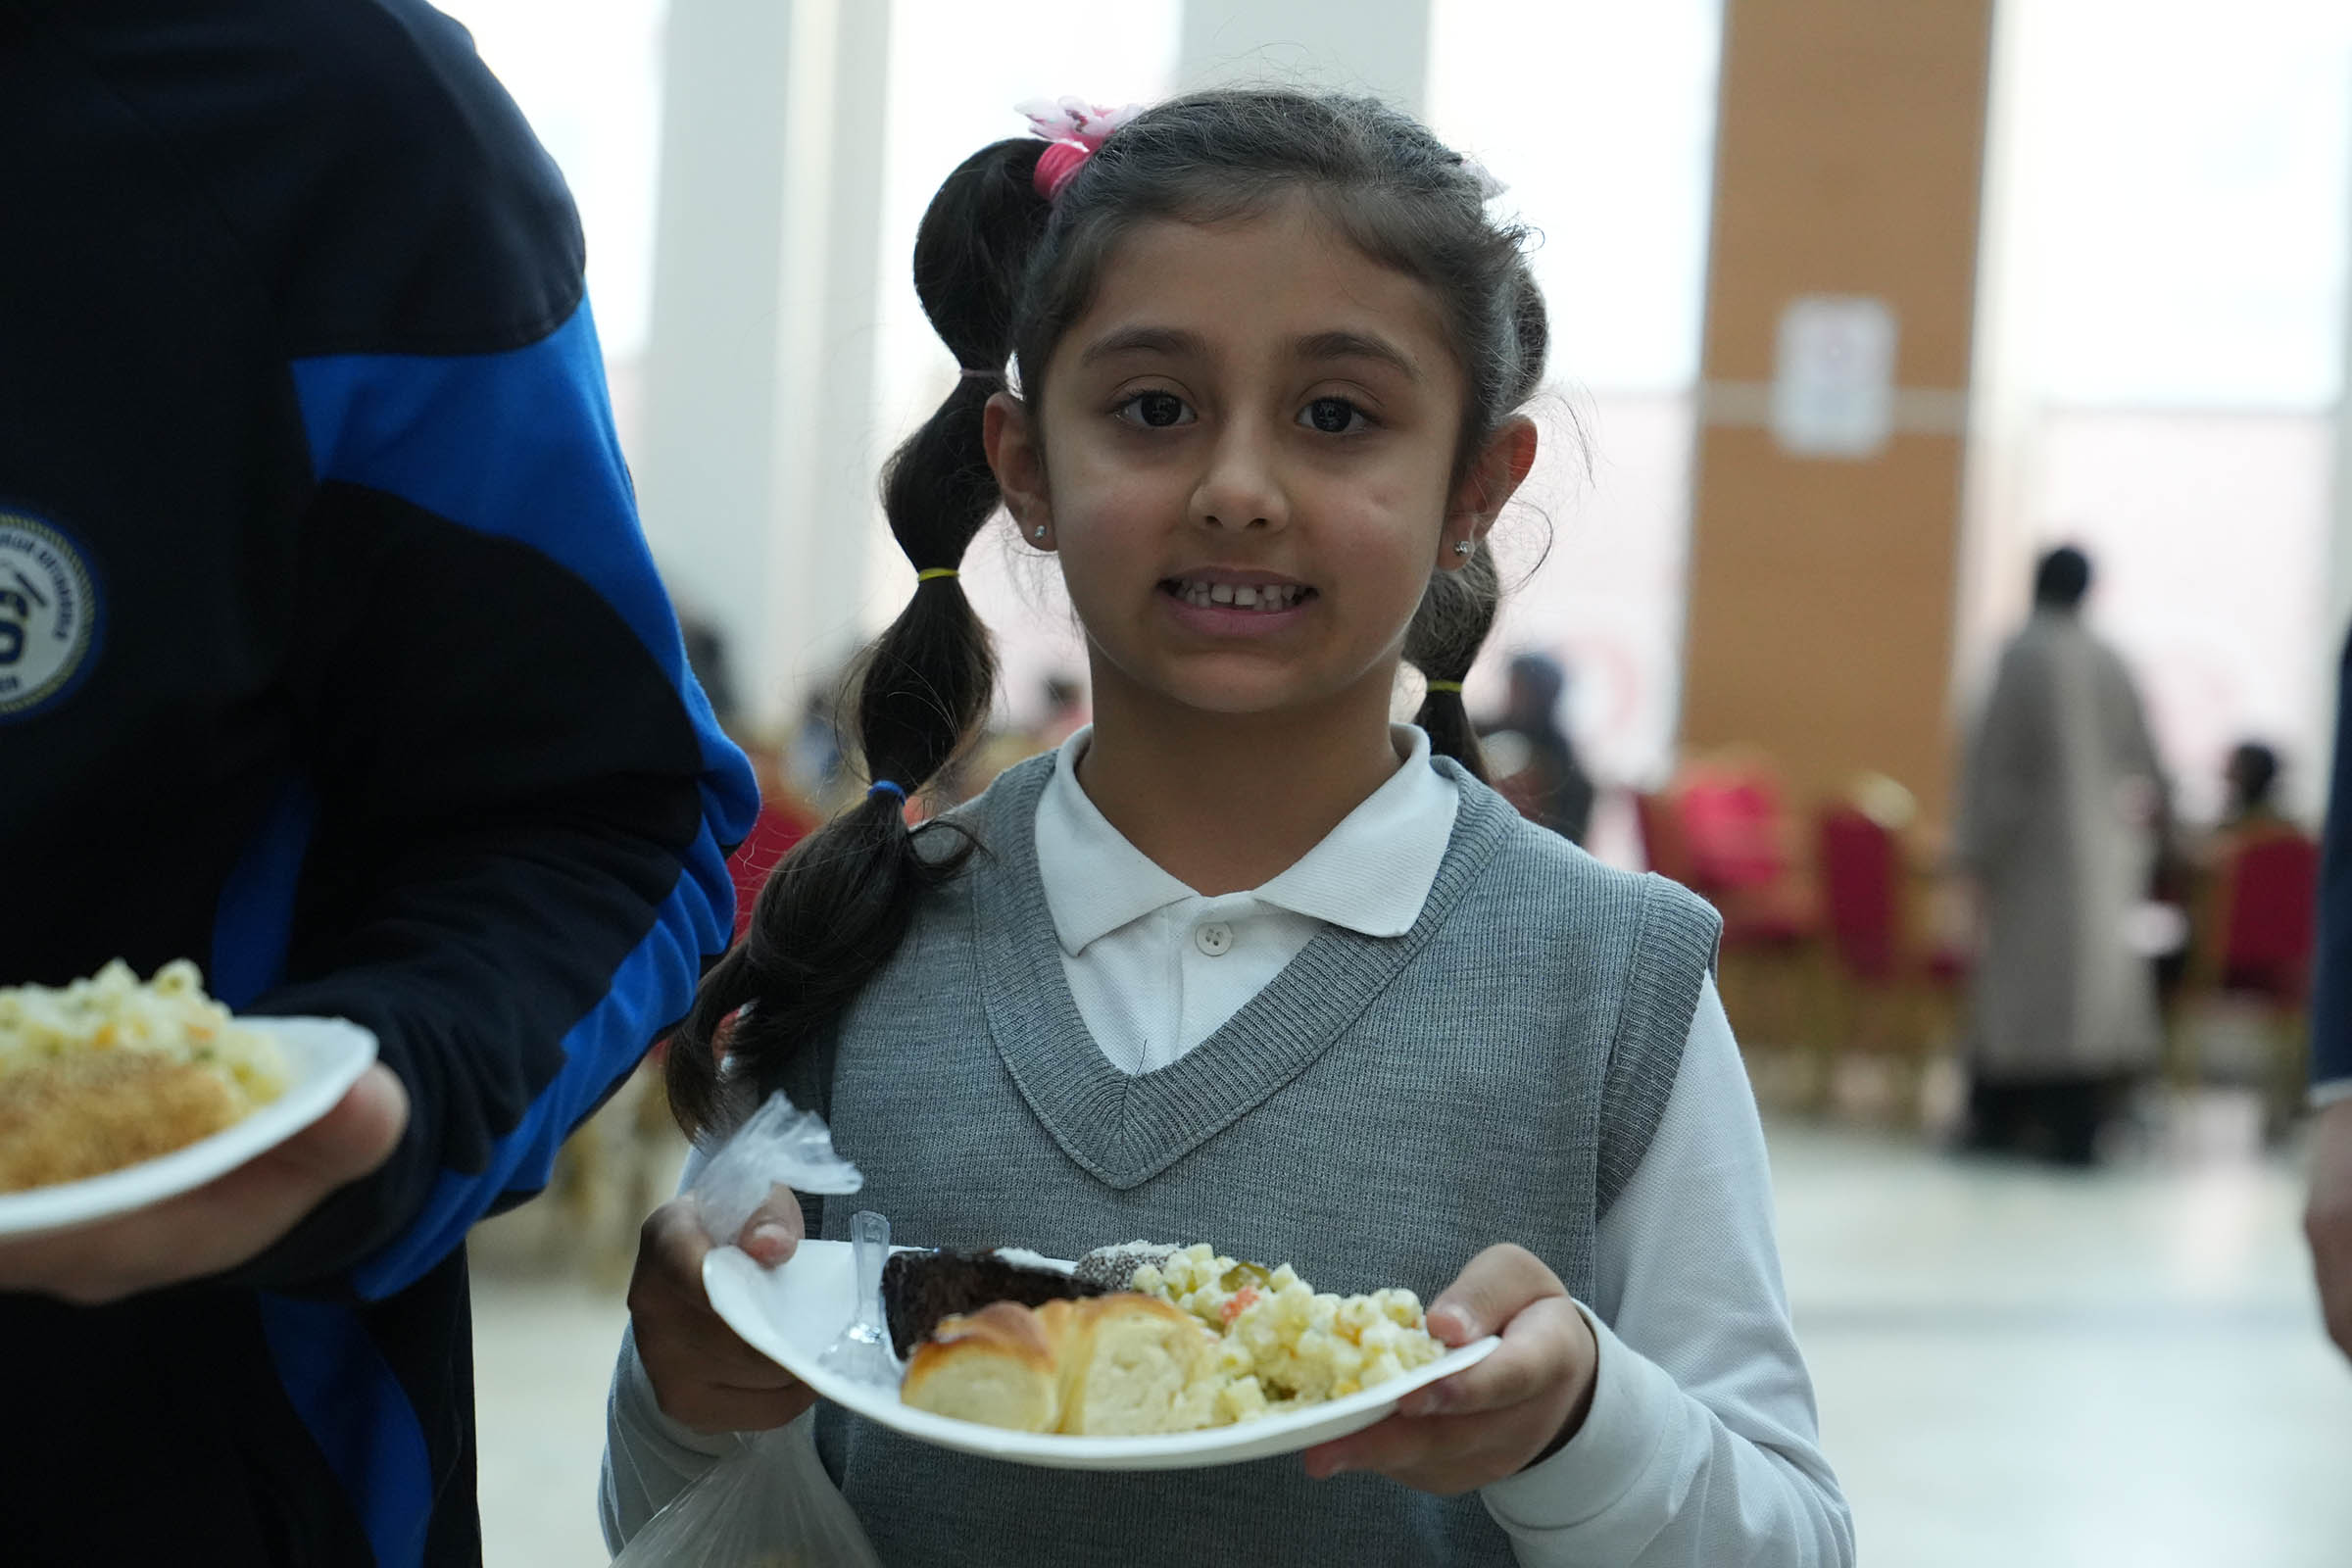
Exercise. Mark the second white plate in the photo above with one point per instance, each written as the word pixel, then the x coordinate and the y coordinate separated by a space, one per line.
pixel 792 1312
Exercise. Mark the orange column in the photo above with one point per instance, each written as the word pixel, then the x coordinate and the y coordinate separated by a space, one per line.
pixel 1823 562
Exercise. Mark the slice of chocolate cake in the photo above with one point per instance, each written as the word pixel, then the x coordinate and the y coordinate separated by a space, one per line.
pixel 919 1289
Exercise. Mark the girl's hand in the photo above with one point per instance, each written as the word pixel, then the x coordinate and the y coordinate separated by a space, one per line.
pixel 702 1375
pixel 1498 1417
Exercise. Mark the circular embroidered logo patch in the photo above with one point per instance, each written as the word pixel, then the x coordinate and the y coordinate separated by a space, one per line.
pixel 48 614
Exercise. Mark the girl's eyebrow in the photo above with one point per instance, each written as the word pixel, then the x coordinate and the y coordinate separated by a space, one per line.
pixel 1356 346
pixel 1173 342
pixel 1176 343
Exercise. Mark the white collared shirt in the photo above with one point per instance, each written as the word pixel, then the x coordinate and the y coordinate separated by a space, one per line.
pixel 1156 967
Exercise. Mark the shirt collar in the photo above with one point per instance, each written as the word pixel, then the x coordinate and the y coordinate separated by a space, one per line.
pixel 1371 875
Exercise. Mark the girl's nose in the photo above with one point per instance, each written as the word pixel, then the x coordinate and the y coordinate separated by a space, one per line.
pixel 1240 489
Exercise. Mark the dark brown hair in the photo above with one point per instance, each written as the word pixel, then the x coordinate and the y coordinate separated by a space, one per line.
pixel 1002 274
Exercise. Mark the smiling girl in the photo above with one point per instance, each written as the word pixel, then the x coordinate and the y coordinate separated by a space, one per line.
pixel 1243 961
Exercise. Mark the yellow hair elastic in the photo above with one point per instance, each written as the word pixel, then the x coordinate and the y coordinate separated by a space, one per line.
pixel 1454 686
pixel 935 572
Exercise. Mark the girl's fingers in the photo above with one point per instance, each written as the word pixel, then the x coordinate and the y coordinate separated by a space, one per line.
pixel 774 1231
pixel 1544 1342
pixel 1407 1449
pixel 1496 1286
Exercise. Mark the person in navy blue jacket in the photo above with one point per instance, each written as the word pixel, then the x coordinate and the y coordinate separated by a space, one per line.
pixel 2327 1218
pixel 331 657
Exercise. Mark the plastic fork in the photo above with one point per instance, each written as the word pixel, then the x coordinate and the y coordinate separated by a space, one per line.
pixel 861 1350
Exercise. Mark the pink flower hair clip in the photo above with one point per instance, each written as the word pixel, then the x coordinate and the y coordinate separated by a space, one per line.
pixel 1076 130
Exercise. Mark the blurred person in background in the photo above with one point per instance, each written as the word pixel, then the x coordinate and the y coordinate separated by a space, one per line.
pixel 2250 785
pixel 814 762
pixel 1550 785
pixel 2328 1214
pixel 337 664
pixel 2061 813
pixel 707 657
pixel 786 816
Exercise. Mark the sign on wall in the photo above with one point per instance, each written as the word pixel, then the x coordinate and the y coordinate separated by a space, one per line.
pixel 1832 384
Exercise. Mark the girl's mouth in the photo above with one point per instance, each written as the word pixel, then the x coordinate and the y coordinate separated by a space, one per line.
pixel 1260 598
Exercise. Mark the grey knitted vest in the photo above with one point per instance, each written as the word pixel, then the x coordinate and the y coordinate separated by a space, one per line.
pixel 1381 1113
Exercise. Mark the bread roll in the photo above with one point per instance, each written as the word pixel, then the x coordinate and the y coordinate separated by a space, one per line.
pixel 1113 1365
pixel 1132 1364
pixel 994 1366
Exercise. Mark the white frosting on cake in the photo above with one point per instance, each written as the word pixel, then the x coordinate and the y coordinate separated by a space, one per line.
pixel 1022 1258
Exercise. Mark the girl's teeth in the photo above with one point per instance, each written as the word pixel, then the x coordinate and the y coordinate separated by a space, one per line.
pixel 1239 597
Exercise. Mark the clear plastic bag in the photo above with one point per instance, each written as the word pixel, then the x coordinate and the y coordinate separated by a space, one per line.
pixel 768 1504
pixel 778 1143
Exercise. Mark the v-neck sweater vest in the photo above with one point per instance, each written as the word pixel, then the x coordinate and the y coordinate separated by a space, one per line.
pixel 1380 1113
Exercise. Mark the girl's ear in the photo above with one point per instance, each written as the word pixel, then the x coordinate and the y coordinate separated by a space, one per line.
pixel 1495 474
pixel 1019 464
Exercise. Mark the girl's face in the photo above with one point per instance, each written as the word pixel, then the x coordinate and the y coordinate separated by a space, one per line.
pixel 1251 434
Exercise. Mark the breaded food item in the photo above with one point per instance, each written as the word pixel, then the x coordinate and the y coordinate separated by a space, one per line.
pixel 1112 1365
pixel 1132 1364
pixel 87 1114
pixel 106 1071
pixel 995 1366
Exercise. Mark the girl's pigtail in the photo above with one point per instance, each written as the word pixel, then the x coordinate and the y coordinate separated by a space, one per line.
pixel 1458 611
pixel 836 907
pixel 1448 631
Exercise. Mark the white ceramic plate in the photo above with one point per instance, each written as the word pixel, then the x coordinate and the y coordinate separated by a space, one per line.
pixel 791 1314
pixel 323 1057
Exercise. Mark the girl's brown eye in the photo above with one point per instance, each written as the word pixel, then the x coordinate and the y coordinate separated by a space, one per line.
pixel 1333 416
pixel 1156 409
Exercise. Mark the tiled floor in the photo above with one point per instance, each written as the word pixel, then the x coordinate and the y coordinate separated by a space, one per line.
pixel 2016 1366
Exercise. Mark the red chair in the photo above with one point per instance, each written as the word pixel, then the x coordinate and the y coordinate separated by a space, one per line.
pixel 782 822
pixel 1720 830
pixel 1861 877
pixel 2263 912
pixel 1663 844
pixel 1732 826
pixel 1892 995
pixel 1733 822
pixel 2269 905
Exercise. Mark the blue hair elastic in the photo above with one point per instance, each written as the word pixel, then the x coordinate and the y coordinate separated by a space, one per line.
pixel 883 786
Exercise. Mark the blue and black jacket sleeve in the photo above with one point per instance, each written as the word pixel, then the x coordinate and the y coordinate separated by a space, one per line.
pixel 504 847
